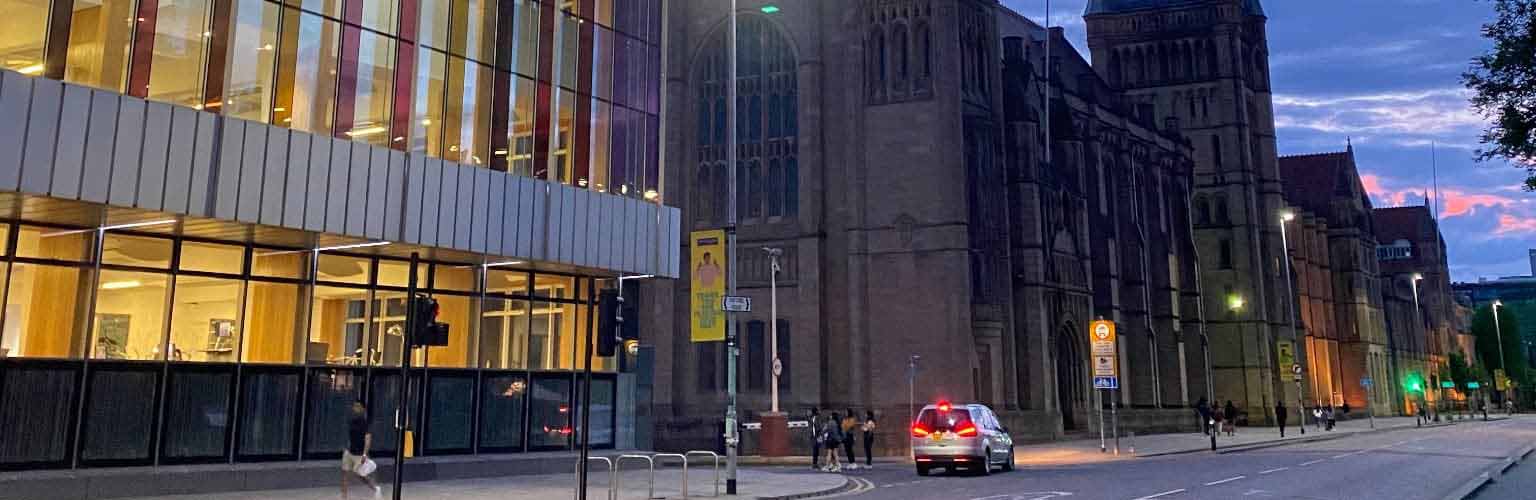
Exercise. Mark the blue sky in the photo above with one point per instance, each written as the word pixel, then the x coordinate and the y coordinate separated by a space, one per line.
pixel 1386 74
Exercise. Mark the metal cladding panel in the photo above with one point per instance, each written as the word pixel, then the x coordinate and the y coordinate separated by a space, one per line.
pixel 431 192
pixel 495 210
pixel 632 216
pixel 378 178
pixel 274 176
pixel 336 187
pixel 69 153
pixel 538 203
pixel 152 163
pixel 252 165
pixel 448 205
pixel 480 210
pixel 125 152
pixel 319 182
pixel 510 221
pixel 570 223
pixel 296 181
pixel 613 218
pixel 178 160
pixel 356 202
pixel 465 199
pixel 226 169
pixel 208 130
pixel 96 171
pixel 672 243
pixel 648 240
pixel 549 225
pixel 590 215
pixel 394 195
pixel 580 219
pixel 416 165
pixel 42 130
pixel 15 99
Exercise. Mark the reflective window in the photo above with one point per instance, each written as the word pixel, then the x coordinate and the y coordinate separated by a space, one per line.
pixel 549 329
pixel 602 119
pixel 569 49
pixel 338 319
pixel 387 335
pixel 561 136
pixel 398 273
pixel 99 36
pixel 306 76
pixel 474 30
pixel 274 316
pixel 205 319
pixel 379 15
pixel 526 45
pixel 505 282
pixel 129 320
pixel 330 8
pixel 504 334
pixel 181 35
pixel 55 244
pixel 211 257
pixel 280 263
pixel 46 311
pixel 136 251
pixel 550 413
pixel 343 269
pixel 468 112
pixel 501 412
pixel 22 32
pixel 520 130
pixel 456 278
pixel 432 23
pixel 252 58
pixel 427 109
pixel 374 79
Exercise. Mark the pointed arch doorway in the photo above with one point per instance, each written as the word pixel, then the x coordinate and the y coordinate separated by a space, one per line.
pixel 1071 381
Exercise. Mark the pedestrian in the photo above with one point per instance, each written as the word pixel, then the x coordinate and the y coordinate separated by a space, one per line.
pixel 1328 414
pixel 869 439
pixel 1230 424
pixel 354 458
pixel 1280 416
pixel 1345 410
pixel 1203 409
pixel 831 436
pixel 850 426
pixel 814 423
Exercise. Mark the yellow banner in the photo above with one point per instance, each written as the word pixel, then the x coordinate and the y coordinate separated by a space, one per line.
pixel 708 285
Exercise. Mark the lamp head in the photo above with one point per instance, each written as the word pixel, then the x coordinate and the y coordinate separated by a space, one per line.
pixel 1287 216
pixel 1235 302
pixel 1417 276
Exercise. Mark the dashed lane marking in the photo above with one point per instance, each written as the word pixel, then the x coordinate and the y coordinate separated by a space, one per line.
pixel 1163 494
pixel 1274 470
pixel 1224 481
pixel 1304 464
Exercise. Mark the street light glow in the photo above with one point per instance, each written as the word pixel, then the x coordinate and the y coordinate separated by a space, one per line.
pixel 1235 302
pixel 1287 216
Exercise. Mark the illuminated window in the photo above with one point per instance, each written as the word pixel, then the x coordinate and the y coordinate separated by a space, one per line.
pixel 306 73
pixel 136 251
pixel 458 312
pixel 427 110
pixel 181 35
pixel 46 315
pixel 22 32
pixel 280 263
pixel 398 273
pixel 252 58
pixel 338 319
pixel 374 79
pixel 504 334
pixel 467 120
pixel 99 35
pixel 343 269
pixel 211 257
pixel 55 244
pixel 474 30
pixel 205 319
pixel 273 318
pixel 129 321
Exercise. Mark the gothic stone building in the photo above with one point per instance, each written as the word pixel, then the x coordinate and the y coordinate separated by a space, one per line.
pixel 896 151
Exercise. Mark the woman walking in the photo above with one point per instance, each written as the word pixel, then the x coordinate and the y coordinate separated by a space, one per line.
pixel 869 439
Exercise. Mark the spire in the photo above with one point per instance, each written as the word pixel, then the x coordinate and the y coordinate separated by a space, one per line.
pixel 1349 144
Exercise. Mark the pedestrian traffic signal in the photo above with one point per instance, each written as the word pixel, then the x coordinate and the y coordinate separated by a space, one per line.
pixel 608 322
pixel 424 329
pixel 629 328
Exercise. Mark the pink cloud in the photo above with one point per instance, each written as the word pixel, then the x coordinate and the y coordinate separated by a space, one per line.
pixel 1455 202
pixel 1511 224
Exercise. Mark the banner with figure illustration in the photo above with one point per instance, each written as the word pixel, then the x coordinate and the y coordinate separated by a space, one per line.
pixel 707 269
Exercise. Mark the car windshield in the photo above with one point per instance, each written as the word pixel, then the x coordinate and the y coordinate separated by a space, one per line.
pixel 935 420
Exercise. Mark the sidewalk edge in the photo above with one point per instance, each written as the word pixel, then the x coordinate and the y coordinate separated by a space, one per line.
pixel 849 484
pixel 1470 488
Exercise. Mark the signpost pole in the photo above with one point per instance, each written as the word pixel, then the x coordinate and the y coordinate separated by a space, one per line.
pixel 1099 394
pixel 1114 417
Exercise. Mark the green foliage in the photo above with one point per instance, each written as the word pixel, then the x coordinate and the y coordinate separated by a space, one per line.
pixel 1503 82
pixel 1487 339
pixel 1456 367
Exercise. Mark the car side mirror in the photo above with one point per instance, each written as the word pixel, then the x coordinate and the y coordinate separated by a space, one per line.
pixel 1005 430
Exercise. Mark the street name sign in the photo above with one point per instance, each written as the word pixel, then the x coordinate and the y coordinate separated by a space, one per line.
pixel 736 303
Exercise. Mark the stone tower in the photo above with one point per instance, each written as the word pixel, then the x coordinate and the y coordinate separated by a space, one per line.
pixel 1205 64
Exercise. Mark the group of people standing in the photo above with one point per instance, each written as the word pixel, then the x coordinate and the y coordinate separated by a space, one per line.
pixel 840 430
pixel 1217 419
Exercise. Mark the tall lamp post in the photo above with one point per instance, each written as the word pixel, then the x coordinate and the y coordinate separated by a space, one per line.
pixel 1235 305
pixel 773 325
pixel 1418 315
pixel 1290 299
pixel 1499 336
pixel 731 437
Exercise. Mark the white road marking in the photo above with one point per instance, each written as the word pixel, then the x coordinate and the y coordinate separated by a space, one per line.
pixel 1163 494
pixel 1224 481
pixel 1274 470
pixel 1304 464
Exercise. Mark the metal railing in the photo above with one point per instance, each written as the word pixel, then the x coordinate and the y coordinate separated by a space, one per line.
pixel 650 463
pixel 617 469
pixel 684 459
pixel 701 453
pixel 613 477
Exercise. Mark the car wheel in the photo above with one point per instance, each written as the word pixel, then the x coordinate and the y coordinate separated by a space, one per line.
pixel 986 463
pixel 922 470
pixel 1008 465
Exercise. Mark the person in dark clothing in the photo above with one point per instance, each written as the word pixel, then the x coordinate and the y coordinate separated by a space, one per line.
pixel 1280 416
pixel 815 425
pixel 1231 418
pixel 850 426
pixel 355 455
pixel 869 439
pixel 832 436
pixel 1203 408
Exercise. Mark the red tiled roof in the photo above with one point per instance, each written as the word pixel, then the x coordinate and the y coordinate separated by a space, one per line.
pixel 1313 180
pixel 1402 223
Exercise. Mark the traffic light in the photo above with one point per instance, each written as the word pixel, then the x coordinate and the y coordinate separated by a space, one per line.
pixel 1414 383
pixel 629 329
pixel 424 329
pixel 608 321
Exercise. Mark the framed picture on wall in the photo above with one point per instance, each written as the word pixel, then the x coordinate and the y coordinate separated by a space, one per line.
pixel 221 335
pixel 112 336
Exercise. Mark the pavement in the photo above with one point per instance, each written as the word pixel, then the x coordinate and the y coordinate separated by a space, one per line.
pixel 1396 463
pixel 761 484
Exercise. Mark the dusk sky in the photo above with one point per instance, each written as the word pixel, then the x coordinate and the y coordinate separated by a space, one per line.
pixel 1386 73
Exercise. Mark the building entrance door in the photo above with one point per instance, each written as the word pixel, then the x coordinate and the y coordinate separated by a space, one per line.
pixel 1069 380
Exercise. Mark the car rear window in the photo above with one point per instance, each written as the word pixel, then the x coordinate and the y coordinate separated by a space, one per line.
pixel 934 420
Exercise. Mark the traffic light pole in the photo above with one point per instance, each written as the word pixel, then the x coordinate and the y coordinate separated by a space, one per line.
pixel 586 408
pixel 402 415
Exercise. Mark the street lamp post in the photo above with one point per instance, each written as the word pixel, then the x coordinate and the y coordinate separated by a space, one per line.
pixel 731 437
pixel 1290 299
pixel 1499 336
pixel 1418 314
pixel 773 317
pixel 1235 307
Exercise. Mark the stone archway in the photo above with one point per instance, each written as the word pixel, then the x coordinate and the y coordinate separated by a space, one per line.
pixel 1071 381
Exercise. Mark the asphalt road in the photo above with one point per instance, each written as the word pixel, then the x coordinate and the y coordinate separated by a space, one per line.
pixel 1407 464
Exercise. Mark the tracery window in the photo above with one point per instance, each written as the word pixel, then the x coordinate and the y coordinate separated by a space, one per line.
pixel 767 126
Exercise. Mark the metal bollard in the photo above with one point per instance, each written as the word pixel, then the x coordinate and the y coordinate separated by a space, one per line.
pixel 619 473
pixel 714 455
pixel 613 490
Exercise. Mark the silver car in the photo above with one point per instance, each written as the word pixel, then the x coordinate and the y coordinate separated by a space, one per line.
pixel 967 436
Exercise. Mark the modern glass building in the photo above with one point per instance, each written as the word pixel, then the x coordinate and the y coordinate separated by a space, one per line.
pixel 207 207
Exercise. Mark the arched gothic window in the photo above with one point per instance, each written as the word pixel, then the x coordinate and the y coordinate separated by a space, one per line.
pixel 767 138
pixel 900 53
pixel 924 57
pixel 877 61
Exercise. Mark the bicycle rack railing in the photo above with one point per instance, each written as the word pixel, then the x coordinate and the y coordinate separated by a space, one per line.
pixel 613 478
pixel 684 459
pixel 716 457
pixel 650 463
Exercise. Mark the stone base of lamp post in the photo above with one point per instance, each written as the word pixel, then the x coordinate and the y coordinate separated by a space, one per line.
pixel 774 438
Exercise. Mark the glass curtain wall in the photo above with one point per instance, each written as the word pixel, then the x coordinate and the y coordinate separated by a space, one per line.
pixel 209 351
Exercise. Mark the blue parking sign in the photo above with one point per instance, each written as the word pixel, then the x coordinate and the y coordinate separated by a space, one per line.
pixel 1106 382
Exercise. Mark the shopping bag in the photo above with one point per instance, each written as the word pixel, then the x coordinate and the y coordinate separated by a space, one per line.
pixel 367 467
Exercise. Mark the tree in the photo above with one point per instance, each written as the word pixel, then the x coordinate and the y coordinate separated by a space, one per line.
pixel 1457 369
pixel 1504 85
pixel 1487 340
